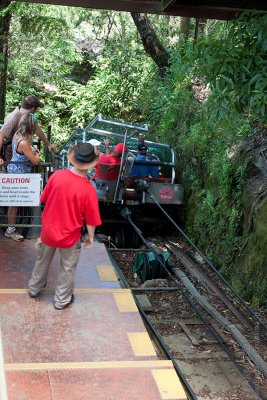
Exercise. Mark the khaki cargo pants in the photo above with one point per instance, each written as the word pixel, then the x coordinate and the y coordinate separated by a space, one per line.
pixel 69 259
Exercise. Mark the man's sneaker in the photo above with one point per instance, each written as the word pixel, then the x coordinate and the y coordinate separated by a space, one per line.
pixel 34 295
pixel 14 235
pixel 66 305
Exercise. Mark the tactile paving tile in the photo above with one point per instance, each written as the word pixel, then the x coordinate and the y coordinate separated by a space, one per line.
pixel 29 385
pixel 91 329
pixel 18 261
pixel 87 274
pixel 90 384
pixel 104 384
pixel 39 342
pixel 106 273
pixel 19 335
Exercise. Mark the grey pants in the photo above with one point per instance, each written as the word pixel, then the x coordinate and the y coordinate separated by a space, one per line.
pixel 69 259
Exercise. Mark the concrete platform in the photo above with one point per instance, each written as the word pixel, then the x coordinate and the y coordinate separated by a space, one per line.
pixel 98 348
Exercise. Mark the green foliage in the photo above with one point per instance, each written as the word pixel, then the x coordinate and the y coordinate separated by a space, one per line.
pixel 171 102
pixel 114 90
pixel 235 66
pixel 47 42
pixel 204 144
pixel 217 188
pixel 41 48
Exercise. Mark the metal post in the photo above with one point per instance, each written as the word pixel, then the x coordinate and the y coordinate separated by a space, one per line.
pixel 3 387
pixel 121 165
pixel 49 131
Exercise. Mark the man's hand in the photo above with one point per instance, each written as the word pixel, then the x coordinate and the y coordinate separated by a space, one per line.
pixel 106 141
pixel 88 242
pixel 1 161
pixel 52 147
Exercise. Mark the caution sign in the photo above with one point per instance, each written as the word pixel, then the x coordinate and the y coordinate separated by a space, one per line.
pixel 20 190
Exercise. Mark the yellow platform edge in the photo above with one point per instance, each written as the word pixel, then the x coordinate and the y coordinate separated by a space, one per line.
pixel 169 384
pixel 78 290
pixel 88 365
pixel 106 273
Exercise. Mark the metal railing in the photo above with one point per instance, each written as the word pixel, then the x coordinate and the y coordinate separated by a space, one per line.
pixel 27 216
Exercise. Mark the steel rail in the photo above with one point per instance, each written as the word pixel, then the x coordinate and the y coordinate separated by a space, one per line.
pixel 199 274
pixel 207 261
pixel 156 336
pixel 232 329
pixel 217 336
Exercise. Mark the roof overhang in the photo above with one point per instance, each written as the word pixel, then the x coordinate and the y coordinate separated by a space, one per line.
pixel 219 9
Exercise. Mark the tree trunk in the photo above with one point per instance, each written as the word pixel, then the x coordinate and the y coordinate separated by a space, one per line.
pixel 196 30
pixel 201 27
pixel 4 30
pixel 184 26
pixel 151 42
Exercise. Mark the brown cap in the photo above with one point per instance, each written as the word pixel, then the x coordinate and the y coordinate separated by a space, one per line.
pixel 82 156
pixel 30 102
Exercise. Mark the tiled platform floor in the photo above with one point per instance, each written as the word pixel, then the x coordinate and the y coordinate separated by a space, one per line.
pixel 98 348
pixel 89 384
pixel 18 258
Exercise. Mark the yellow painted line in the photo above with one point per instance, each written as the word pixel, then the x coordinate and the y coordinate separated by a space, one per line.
pixel 88 365
pixel 102 290
pixel 106 273
pixel 125 301
pixel 78 290
pixel 168 384
pixel 141 344
pixel 13 291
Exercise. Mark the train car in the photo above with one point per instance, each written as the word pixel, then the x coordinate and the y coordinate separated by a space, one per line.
pixel 138 195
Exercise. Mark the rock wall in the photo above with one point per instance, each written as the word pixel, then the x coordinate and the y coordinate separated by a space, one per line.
pixel 251 262
pixel 238 247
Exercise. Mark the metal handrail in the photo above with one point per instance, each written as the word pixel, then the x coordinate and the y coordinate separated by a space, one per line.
pixel 121 165
pixel 127 126
pixel 3 386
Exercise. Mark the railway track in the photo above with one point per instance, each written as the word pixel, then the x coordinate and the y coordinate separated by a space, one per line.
pixel 244 329
pixel 207 304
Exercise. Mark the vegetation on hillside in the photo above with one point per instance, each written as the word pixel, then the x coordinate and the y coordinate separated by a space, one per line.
pixel 84 62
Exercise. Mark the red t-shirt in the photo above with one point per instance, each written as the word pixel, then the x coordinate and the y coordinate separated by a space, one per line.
pixel 107 167
pixel 69 201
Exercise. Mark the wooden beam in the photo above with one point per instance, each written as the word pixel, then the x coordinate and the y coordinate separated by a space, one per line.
pixel 150 7
pixel 223 9
pixel 166 4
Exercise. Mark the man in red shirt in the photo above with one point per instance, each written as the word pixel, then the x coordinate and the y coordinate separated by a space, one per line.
pixel 70 201
pixel 108 170
pixel 107 167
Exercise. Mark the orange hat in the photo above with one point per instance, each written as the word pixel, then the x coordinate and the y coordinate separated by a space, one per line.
pixel 119 148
